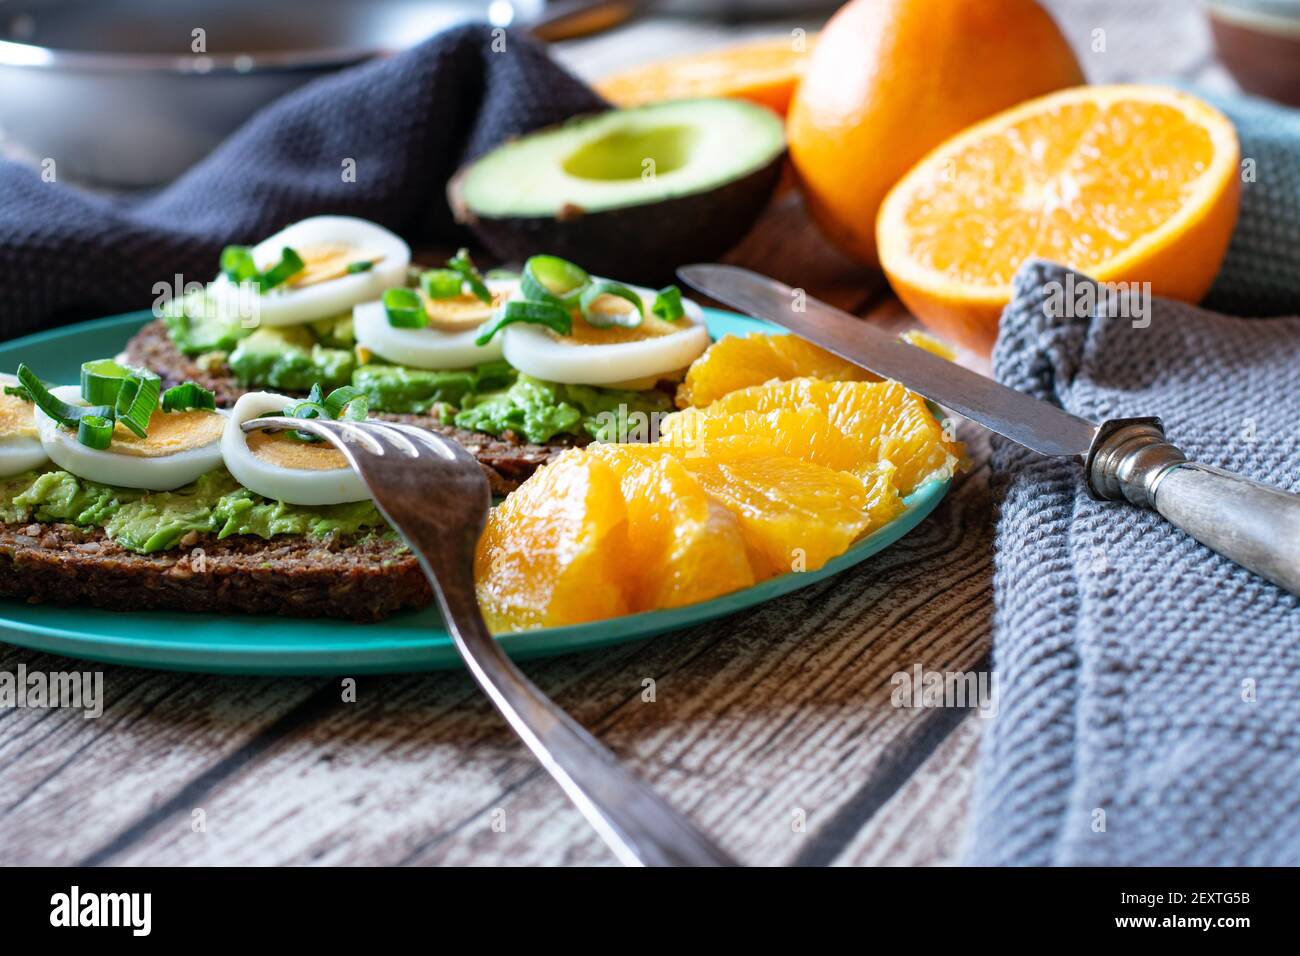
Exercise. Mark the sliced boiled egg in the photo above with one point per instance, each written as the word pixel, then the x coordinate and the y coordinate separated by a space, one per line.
pixel 279 467
pixel 448 340
pixel 591 355
pixel 328 246
pixel 179 447
pixel 20 444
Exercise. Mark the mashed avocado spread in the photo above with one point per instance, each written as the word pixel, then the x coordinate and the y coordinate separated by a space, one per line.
pixel 147 522
pixel 491 398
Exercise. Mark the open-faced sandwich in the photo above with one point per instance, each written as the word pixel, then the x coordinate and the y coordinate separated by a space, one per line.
pixel 120 493
pixel 515 367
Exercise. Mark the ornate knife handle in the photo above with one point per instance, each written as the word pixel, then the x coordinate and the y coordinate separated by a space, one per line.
pixel 1256 525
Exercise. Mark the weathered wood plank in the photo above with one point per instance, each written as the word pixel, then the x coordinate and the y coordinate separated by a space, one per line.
pixel 69 784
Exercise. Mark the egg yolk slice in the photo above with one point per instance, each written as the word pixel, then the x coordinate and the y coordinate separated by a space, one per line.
pixel 168 434
pixel 16 419
pixel 286 452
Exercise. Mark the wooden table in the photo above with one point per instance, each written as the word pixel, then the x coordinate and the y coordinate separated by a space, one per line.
pixel 774 729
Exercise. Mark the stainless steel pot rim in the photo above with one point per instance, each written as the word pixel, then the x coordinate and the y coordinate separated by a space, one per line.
pixel 13 53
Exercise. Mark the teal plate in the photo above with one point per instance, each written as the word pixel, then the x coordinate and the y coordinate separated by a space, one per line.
pixel 412 641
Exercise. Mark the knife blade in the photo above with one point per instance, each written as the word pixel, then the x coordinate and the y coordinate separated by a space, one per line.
pixel 1035 424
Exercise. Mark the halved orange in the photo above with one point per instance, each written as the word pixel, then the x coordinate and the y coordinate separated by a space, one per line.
pixel 1124 183
pixel 762 71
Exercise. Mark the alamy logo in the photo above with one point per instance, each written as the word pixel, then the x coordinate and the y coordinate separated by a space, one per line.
pixel 75 908
pixel 921 688
pixel 79 690
pixel 1086 298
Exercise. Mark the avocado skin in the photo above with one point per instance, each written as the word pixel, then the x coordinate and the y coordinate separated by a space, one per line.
pixel 642 243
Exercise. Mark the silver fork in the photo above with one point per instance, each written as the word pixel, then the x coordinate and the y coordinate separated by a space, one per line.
pixel 435 494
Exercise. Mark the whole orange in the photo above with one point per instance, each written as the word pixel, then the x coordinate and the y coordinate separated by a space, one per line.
pixel 891 79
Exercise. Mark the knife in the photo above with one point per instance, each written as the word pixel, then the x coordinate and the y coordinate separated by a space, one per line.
pixel 1123 459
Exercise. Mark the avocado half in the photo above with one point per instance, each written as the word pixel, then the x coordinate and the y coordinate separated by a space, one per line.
pixel 631 193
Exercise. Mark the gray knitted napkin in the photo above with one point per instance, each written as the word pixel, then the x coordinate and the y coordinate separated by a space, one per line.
pixel 1149 703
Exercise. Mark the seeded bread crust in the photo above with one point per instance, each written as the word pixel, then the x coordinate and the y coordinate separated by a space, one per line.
pixel 506 461
pixel 364 579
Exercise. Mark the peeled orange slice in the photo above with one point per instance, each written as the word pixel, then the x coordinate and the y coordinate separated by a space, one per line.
pixel 794 515
pixel 735 362
pixel 885 422
pixel 762 71
pixel 804 433
pixel 683 546
pixel 1124 183
pixel 553 552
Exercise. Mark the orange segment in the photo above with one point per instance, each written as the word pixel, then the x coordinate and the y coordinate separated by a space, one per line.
pixel 804 433
pixel 764 72
pixel 1125 183
pixel 553 551
pixel 794 515
pixel 741 361
pixel 884 420
pixel 683 546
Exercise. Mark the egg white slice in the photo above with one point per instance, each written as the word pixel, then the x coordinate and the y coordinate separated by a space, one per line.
pixel 427 348
pixel 256 471
pixel 20 443
pixel 289 305
pixel 156 470
pixel 536 351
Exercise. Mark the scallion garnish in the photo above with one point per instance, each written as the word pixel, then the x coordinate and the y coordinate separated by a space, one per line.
pixel 462 263
pixel 18 391
pixel 290 265
pixel 365 265
pixel 95 431
pixel 536 313
pixel 238 265
pixel 441 283
pixel 552 279
pixel 345 403
pixel 405 309
pixel 102 381
pixel 668 304
pixel 62 412
pixel 137 400
pixel 601 319
pixel 188 396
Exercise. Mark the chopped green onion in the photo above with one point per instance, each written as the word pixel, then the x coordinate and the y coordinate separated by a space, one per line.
pixel 602 320
pixel 137 400
pixel 18 391
pixel 405 309
pixel 365 265
pixel 668 304
pixel 65 414
pixel 238 265
pixel 441 283
pixel 347 402
pixel 102 381
pixel 535 313
pixel 463 264
pixel 552 279
pixel 95 431
pixel 290 265
pixel 188 396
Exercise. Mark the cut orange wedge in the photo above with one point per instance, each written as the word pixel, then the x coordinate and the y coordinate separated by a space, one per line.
pixel 1124 183
pixel 763 71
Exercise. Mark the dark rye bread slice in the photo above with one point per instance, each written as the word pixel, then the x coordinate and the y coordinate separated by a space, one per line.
pixel 366 579
pixel 506 461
